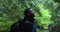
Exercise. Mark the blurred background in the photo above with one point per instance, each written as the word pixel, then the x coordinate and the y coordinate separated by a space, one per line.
pixel 47 13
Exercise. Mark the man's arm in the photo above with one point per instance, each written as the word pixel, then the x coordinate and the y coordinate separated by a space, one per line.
pixel 13 28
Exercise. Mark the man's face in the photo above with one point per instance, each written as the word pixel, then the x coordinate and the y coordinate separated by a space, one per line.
pixel 31 13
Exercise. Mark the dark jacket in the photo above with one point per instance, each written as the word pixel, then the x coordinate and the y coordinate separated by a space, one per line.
pixel 23 25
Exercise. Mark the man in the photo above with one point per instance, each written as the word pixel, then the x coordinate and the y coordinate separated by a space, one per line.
pixel 25 25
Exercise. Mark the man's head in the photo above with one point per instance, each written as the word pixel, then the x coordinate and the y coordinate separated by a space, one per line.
pixel 28 12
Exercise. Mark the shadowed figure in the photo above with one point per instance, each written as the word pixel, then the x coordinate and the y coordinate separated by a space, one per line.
pixel 25 25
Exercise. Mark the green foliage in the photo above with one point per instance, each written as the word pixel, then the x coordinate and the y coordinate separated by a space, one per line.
pixel 12 10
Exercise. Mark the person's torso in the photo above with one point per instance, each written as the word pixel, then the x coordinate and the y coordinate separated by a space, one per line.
pixel 26 26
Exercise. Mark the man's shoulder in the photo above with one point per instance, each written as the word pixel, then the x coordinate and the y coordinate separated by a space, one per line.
pixel 20 20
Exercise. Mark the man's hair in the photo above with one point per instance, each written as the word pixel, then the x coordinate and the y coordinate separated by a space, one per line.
pixel 26 11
